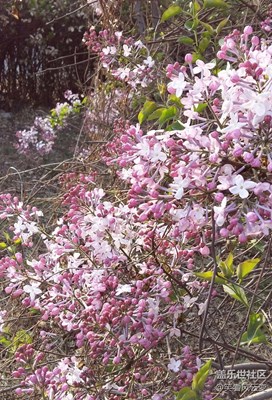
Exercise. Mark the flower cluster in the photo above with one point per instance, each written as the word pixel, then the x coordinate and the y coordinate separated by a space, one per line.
pixel 223 153
pixel 42 135
pixel 127 60
pixel 111 298
pixel 266 24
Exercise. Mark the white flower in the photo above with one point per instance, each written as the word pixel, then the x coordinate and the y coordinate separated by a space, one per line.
pixel 123 289
pixel 179 185
pixel 39 213
pixel 127 50
pixel 108 50
pixel 203 68
pixel 144 148
pixel 149 62
pixel 259 105
pixel 189 301
pixel 233 122
pixel 241 186
pixel 156 154
pixel 32 290
pixel 174 332
pixel 125 174
pixel 198 363
pixel 25 229
pixel 197 214
pixel 73 375
pixel 202 307
pixel 118 34
pixel 122 73
pixel 154 306
pixel 178 83
pixel 139 44
pixel 220 212
pixel 174 365
pixel 2 320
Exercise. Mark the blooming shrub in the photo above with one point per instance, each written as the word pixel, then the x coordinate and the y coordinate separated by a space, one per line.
pixel 217 154
pixel 42 135
pixel 114 286
pixel 115 51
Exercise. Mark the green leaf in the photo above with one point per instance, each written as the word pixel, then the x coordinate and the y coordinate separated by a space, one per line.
pixel 207 276
pixel 201 376
pixel 12 249
pixel 4 341
pixel 236 292
pixel 224 269
pixel 21 337
pixel 156 114
pixel 186 393
pixel 3 245
pixel 246 267
pixel 7 237
pixel 172 11
pixel 34 311
pixel 208 27
pixel 167 114
pixel 197 56
pixel 191 25
pixel 206 34
pixel 201 107
pixel 226 266
pixel 176 126
pixel 258 338
pixel 221 25
pixel 186 40
pixel 215 4
pixel 256 321
pixel 203 44
pixel 172 98
pixel 196 6
pixel 229 261
pixel 18 241
pixel 148 108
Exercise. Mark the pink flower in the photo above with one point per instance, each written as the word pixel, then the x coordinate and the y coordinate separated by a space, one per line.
pixel 174 365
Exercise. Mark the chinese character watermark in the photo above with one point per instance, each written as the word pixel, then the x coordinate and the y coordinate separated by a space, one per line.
pixel 239 380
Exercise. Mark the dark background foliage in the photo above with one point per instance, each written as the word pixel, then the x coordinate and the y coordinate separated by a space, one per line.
pixel 41 51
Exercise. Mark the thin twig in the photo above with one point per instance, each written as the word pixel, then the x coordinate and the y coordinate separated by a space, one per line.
pixel 253 299
pixel 215 269
pixel 70 13
pixel 242 366
pixel 249 5
pixel 266 394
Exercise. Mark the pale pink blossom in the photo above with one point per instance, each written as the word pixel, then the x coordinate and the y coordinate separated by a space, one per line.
pixel 240 186
pixel 178 84
pixel 174 365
